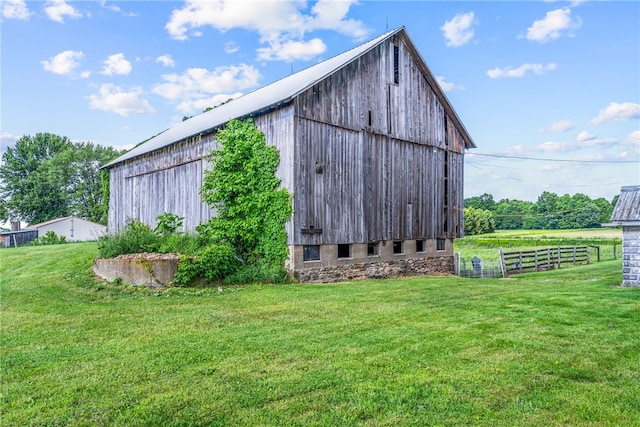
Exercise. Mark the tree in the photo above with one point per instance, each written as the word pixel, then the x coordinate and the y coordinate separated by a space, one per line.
pixel 89 186
pixel 243 189
pixel 481 202
pixel 47 176
pixel 478 221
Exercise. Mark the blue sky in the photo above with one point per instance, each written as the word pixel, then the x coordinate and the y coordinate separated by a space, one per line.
pixel 549 90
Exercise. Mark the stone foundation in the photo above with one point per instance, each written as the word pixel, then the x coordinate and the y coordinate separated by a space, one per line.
pixel 428 266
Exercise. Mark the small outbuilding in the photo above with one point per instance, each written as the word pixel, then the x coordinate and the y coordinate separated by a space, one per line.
pixel 72 228
pixel 627 214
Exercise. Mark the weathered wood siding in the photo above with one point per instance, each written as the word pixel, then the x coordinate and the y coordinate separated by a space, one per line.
pixel 391 161
pixel 169 180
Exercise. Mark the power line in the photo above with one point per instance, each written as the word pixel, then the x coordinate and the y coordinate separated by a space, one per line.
pixel 500 156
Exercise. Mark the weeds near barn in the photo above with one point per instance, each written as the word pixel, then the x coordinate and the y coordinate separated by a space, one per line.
pixel 553 348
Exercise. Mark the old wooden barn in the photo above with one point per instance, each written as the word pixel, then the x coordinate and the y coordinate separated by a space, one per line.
pixel 370 148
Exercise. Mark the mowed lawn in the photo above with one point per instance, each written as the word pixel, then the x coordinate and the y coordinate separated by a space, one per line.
pixel 554 348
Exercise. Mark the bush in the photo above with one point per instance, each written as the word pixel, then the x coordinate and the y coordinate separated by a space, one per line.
pixel 50 238
pixel 135 238
pixel 168 224
pixel 212 263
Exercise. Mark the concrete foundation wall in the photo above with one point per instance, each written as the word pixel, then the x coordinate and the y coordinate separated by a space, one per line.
pixel 631 256
pixel 137 271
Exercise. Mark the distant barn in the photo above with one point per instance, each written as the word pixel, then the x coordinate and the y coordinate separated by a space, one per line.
pixel 370 148
pixel 627 214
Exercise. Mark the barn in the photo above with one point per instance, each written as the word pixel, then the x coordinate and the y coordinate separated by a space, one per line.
pixel 370 148
pixel 627 214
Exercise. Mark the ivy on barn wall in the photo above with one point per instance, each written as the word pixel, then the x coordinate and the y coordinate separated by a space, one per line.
pixel 243 189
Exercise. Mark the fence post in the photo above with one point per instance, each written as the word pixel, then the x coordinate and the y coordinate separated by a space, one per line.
pixel 502 264
pixel 615 246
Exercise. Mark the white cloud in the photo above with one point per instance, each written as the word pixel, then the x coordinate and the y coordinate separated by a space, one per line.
pixel 65 63
pixel 633 139
pixel 166 60
pixel 560 126
pixel 7 140
pixel 290 50
pixel 114 8
pixel 114 99
pixel 281 24
pixel 585 136
pixel 231 47
pixel 116 64
pixel 189 106
pixel 457 31
pixel 57 9
pixel 553 25
pixel 447 86
pixel 631 147
pixel 618 112
pixel 520 71
pixel 15 9
pixel 199 83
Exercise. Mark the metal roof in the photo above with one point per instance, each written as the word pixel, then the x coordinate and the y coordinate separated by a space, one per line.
pixel 628 205
pixel 273 95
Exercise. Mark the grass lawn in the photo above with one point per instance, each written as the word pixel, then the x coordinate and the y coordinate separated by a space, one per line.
pixel 554 348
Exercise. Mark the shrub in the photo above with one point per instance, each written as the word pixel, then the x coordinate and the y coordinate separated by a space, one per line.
pixel 168 224
pixel 184 243
pixel 50 238
pixel 212 263
pixel 135 238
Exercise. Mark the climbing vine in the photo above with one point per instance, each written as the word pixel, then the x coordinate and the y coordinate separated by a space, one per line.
pixel 242 187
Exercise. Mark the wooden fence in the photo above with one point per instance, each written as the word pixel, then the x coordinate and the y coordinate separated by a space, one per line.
pixel 543 259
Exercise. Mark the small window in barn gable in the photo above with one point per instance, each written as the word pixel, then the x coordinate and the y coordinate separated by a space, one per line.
pixel 420 246
pixel 311 252
pixel 344 251
pixel 397 247
pixel 372 249
pixel 396 65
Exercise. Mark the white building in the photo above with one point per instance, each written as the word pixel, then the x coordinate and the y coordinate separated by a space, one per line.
pixel 72 228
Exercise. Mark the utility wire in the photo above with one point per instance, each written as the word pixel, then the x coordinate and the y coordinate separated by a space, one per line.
pixel 500 156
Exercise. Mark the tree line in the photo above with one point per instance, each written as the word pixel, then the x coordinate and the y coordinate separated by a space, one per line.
pixel 47 176
pixel 549 212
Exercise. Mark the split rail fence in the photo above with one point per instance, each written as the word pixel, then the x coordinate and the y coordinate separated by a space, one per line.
pixel 543 259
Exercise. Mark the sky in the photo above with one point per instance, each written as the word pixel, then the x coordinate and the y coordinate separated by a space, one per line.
pixel 548 90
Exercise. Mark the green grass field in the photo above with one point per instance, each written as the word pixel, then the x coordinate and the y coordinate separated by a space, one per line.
pixel 486 246
pixel 554 348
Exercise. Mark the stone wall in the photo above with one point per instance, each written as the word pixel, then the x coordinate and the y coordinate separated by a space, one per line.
pixel 430 266
pixel 631 256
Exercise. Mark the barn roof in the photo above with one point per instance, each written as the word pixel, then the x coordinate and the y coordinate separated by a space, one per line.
pixel 627 208
pixel 279 93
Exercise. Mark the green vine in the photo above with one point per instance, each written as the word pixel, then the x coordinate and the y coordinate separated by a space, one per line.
pixel 243 189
